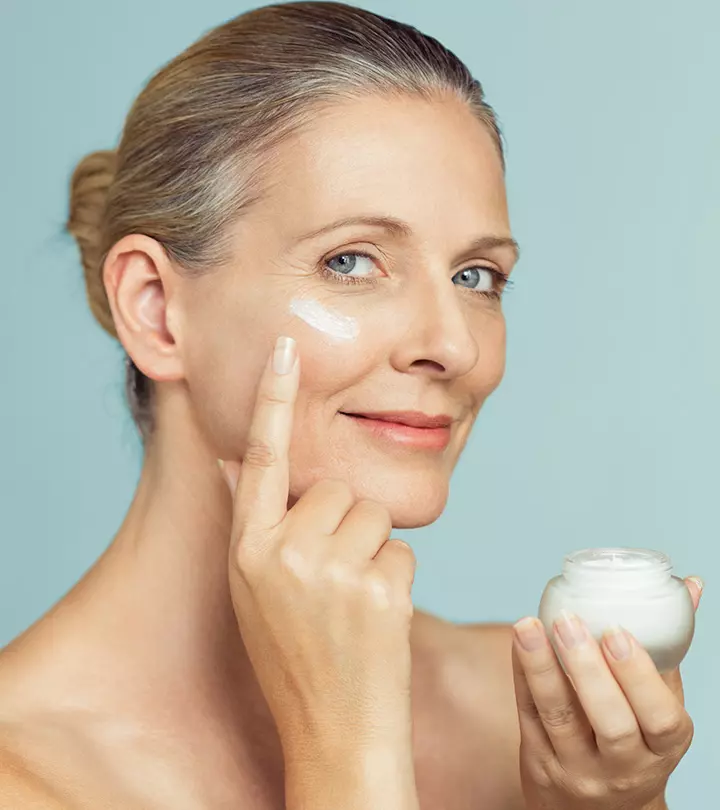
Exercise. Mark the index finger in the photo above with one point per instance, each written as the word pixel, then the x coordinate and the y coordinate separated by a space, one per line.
pixel 262 493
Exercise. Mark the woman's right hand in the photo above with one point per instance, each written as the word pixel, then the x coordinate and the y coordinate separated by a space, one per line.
pixel 323 602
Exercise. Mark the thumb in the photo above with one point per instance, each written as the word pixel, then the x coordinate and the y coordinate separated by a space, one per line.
pixel 695 585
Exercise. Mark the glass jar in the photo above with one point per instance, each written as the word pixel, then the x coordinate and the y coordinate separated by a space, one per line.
pixel 630 587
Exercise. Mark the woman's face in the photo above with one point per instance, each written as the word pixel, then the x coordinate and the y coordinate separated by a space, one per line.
pixel 404 318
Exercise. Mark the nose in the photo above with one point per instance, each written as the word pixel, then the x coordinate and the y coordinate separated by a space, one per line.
pixel 438 340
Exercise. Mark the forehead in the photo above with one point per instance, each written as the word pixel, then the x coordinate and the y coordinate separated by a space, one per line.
pixel 432 163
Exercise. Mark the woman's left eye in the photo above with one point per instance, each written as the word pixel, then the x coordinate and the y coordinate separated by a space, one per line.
pixel 480 279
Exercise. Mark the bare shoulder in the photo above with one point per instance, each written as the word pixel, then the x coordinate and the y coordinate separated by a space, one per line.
pixel 21 786
pixel 483 672
pixel 475 711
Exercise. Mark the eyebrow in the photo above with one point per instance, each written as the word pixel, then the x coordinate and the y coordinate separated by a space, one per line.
pixel 401 229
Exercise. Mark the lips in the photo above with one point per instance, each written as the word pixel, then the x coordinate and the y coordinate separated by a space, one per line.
pixel 414 419
pixel 411 430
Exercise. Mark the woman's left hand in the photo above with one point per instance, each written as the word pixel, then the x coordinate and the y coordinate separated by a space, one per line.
pixel 610 742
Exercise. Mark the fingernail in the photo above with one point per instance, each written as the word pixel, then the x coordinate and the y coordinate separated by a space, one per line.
pixel 699 583
pixel 530 634
pixel 618 642
pixel 223 472
pixel 284 355
pixel 570 629
pixel 230 471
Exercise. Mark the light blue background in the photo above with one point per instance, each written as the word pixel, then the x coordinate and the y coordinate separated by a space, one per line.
pixel 605 429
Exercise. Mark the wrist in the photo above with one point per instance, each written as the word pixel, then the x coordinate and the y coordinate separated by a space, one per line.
pixel 657 804
pixel 356 778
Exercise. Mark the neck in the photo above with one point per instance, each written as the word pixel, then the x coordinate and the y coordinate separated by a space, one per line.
pixel 149 634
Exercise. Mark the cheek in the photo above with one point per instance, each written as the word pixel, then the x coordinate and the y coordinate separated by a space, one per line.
pixel 222 381
pixel 496 356
pixel 225 350
pixel 229 345
pixel 490 335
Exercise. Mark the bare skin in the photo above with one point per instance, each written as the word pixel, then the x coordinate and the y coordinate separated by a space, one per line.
pixel 136 690
pixel 106 752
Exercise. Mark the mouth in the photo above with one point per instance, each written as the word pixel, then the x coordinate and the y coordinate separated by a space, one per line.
pixel 408 428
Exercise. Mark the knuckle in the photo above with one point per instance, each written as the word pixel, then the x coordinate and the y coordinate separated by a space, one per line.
pixel 540 776
pixel 378 590
pixel 406 608
pixel 244 562
pixel 407 558
pixel 259 453
pixel 558 717
pixel 338 572
pixel 629 783
pixel 530 709
pixel 669 725
pixel 536 766
pixel 272 398
pixel 294 563
pixel 543 666
pixel 385 596
pixel 685 742
pixel 403 548
pixel 590 789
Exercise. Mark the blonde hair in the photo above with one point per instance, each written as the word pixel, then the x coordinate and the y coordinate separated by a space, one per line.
pixel 191 157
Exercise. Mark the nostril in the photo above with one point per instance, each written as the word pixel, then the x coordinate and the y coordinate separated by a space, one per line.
pixel 428 364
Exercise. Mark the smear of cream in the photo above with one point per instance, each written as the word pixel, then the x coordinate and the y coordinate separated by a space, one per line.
pixel 333 324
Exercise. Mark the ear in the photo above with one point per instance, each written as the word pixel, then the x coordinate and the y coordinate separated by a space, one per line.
pixel 138 278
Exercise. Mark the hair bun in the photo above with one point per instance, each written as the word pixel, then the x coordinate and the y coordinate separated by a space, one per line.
pixel 89 189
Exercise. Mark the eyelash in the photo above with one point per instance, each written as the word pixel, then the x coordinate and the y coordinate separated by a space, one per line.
pixel 328 273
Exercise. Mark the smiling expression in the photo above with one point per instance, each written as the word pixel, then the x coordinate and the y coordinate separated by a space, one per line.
pixel 383 247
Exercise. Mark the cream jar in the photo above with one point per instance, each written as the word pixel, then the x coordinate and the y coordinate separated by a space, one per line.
pixel 630 587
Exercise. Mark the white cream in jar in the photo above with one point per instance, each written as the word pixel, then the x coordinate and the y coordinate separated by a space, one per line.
pixel 630 587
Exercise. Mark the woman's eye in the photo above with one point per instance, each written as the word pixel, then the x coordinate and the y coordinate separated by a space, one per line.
pixel 481 279
pixel 346 263
pixel 357 267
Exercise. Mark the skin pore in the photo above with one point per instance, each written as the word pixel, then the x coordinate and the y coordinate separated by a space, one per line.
pixel 142 663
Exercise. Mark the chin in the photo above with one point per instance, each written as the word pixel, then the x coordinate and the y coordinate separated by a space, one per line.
pixel 412 500
pixel 414 515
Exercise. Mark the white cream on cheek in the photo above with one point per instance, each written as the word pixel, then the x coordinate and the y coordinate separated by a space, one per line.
pixel 332 324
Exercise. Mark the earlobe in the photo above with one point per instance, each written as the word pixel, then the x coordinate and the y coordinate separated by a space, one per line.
pixel 138 279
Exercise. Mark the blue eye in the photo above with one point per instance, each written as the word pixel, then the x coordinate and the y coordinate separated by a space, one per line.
pixel 348 263
pixel 481 279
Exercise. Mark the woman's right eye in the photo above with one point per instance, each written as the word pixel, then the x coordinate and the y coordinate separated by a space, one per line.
pixel 348 262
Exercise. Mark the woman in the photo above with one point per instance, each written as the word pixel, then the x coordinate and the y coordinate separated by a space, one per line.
pixel 302 243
